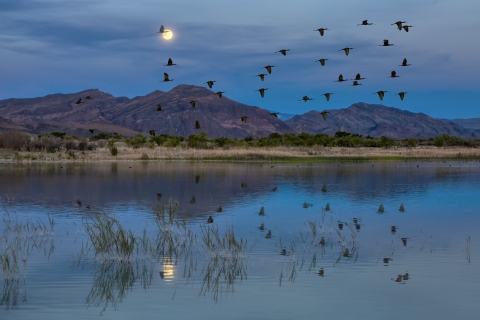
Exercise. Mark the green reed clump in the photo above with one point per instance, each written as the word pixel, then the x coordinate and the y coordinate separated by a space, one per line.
pixel 9 265
pixel 110 240
pixel 223 245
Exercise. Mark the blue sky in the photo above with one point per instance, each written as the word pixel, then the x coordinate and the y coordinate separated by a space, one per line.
pixel 56 46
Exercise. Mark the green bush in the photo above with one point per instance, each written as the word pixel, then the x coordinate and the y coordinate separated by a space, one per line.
pixel 113 150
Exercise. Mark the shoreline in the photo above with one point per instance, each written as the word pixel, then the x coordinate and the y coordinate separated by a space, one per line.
pixel 246 154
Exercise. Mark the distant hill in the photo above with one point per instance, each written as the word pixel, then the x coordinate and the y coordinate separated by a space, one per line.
pixel 376 121
pixel 217 117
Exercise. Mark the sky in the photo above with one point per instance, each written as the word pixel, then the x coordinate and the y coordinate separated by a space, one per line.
pixel 57 46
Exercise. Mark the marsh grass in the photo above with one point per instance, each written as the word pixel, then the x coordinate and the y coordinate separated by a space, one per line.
pixel 224 245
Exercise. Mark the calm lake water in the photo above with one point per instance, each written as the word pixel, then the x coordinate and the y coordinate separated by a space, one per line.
pixel 426 267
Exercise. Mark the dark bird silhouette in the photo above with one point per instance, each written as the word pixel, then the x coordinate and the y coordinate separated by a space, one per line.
pixel 162 274
pixel 210 83
pixel 192 103
pixel 321 31
pixel 355 83
pixel 324 114
pixel 244 119
pixel 401 95
pixel 322 61
pixel 399 24
pixel 220 93
pixel 275 114
pixel 244 185
pixel 386 44
pixel 322 241
pixel 283 51
pixel 262 227
pixel 394 229
pixel 166 78
pixel 197 179
pixel 159 196
pixel 210 219
pixel 159 107
pixel 88 97
pixel 404 241
pixel 262 91
pixel 152 132
pixel 393 74
pixel 197 124
pixel 162 29
pixel 404 63
pixel 406 28
pixel 347 50
pixel 346 253
pixel 220 209
pixel 305 98
pixel 321 272
pixel 340 226
pixel 327 95
pixel 79 202
pixel 386 260
pixel 340 78
pixel 91 130
pixel 192 201
pixel 269 68
pixel 364 23
pixel 170 63
pixel 88 206
pixel 79 101
pixel 358 77
pixel 269 234
pixel 262 76
pixel 381 94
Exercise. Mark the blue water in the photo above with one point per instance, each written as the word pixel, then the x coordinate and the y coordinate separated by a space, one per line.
pixel 59 276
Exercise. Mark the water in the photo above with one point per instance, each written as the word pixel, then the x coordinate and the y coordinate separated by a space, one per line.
pixel 433 275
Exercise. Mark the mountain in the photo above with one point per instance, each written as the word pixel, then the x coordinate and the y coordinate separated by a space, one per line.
pixel 218 117
pixel 376 121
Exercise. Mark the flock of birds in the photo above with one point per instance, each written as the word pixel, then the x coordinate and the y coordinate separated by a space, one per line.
pixel 356 81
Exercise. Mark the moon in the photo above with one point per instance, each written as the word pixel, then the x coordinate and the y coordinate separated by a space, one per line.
pixel 167 34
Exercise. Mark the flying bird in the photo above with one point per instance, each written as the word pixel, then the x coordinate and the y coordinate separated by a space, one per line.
pixel 324 114
pixel 283 51
pixel 210 83
pixel 262 76
pixel 197 124
pixel 192 103
pixel 355 83
pixel 275 114
pixel 381 94
pixel 88 97
pixel 406 28
pixel 327 95
pixel 91 130
pixel 365 23
pixel 244 119
pixel 321 30
pixel 159 107
pixel 269 68
pixel 170 63
pixel 305 98
pixel 165 77
pixel 385 44
pixel 393 74
pixel 79 101
pixel 340 78
pixel 220 93
pixel 322 61
pixel 162 29
pixel 358 77
pixel 152 132
pixel 262 91
pixel 404 63
pixel 401 95
pixel 347 50
pixel 399 24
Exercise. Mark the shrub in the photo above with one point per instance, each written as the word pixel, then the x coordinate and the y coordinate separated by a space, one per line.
pixel 113 150
pixel 57 134
pixel 13 140
pixel 136 141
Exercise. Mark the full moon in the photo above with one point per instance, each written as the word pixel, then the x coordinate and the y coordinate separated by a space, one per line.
pixel 167 34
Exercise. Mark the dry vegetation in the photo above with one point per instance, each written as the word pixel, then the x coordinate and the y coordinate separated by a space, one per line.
pixel 245 154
